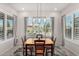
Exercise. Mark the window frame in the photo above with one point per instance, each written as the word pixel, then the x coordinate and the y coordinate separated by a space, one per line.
pixel 3 18
pixel 25 25
pixel 10 18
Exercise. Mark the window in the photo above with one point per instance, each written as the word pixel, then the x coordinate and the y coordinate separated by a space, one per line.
pixel 10 23
pixel 1 26
pixel 71 26
pixel 68 26
pixel 76 26
pixel 38 25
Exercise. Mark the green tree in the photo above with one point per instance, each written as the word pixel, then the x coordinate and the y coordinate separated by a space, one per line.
pixel 46 27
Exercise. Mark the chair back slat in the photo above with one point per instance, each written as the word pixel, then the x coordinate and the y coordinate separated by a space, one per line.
pixel 39 47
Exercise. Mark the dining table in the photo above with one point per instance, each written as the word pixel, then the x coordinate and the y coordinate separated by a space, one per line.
pixel 30 42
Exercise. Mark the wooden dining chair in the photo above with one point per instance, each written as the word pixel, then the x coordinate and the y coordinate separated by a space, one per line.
pixel 50 48
pixel 39 47
pixel 52 38
pixel 37 36
pixel 29 49
pixel 24 38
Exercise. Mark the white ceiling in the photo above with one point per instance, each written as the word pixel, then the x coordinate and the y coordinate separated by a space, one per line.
pixel 43 6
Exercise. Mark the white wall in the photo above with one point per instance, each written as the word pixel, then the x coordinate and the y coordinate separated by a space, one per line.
pixel 57 27
pixel 71 44
pixel 7 9
pixel 6 44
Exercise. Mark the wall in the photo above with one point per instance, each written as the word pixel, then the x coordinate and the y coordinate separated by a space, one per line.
pixel 57 24
pixel 71 44
pixel 57 27
pixel 6 44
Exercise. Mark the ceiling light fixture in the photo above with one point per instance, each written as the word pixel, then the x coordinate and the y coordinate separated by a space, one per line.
pixel 55 9
pixel 22 8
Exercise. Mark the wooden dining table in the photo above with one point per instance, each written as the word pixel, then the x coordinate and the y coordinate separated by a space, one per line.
pixel 30 42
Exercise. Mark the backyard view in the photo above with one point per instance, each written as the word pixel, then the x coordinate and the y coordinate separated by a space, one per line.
pixel 39 25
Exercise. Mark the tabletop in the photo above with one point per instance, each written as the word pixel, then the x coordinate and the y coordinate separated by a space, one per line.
pixel 30 41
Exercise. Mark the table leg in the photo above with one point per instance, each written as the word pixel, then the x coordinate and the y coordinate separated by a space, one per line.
pixel 26 50
pixel 51 50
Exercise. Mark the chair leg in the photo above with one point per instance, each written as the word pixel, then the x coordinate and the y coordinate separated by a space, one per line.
pixel 53 52
pixel 46 52
pixel 31 52
pixel 23 52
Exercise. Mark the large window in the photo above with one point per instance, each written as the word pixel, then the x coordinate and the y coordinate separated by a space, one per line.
pixel 10 23
pixel 39 25
pixel 71 26
pixel 68 26
pixel 1 26
pixel 76 26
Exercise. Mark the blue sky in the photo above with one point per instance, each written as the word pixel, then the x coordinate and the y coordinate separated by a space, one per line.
pixel 76 14
pixel 42 21
pixel 69 20
pixel 10 21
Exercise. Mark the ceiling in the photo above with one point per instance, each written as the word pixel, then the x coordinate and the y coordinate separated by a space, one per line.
pixel 38 6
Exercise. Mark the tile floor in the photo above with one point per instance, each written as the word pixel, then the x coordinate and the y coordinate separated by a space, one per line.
pixel 59 51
